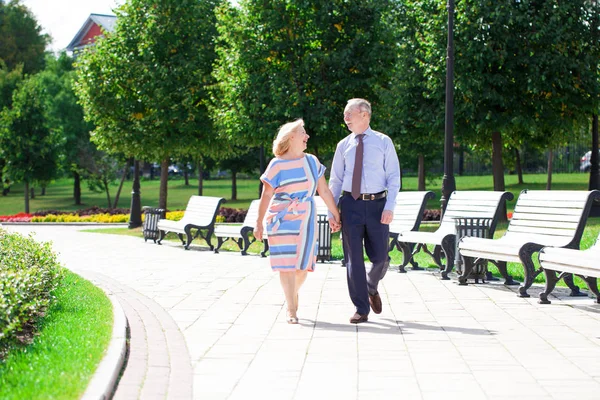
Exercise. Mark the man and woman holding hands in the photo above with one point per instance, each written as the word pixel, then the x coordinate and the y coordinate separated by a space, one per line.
pixel 360 198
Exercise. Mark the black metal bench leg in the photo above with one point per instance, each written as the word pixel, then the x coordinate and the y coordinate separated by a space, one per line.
pixel 575 292
pixel 525 254
pixel 188 234
pixel 468 264
pixel 220 242
pixel 209 237
pixel 508 280
pixel 265 248
pixel 448 244
pixel 592 284
pixel 161 236
pixel 407 255
pixel 551 280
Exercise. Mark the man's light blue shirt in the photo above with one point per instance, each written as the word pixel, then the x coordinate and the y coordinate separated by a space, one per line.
pixel 381 169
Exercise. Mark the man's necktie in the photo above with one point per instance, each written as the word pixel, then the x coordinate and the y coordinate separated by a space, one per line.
pixel 358 166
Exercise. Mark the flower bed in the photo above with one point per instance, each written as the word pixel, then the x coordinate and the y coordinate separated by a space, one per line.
pixel 104 215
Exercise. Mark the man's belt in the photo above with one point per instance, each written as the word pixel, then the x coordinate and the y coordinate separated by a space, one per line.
pixel 369 196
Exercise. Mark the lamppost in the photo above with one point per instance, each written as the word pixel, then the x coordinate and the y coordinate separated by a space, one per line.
pixel 135 214
pixel 448 183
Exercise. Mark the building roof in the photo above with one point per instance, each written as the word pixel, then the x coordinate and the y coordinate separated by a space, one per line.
pixel 94 26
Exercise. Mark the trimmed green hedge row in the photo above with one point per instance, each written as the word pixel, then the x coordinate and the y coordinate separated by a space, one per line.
pixel 29 273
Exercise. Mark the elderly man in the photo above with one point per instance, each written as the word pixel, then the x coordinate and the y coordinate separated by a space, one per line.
pixel 365 180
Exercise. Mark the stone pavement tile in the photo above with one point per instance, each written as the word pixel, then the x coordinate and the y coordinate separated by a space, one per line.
pixel 432 363
pixel 401 366
pixel 448 382
pixel 127 392
pixel 562 388
pixel 403 391
pixel 156 384
pixel 217 384
pixel 383 380
pixel 266 385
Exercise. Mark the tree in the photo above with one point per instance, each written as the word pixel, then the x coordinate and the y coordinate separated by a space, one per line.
pixel 9 80
pixel 144 85
pixel 520 72
pixel 21 40
pixel 29 146
pixel 65 115
pixel 413 112
pixel 281 60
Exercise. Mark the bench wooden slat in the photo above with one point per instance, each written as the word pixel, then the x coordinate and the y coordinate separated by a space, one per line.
pixel 544 224
pixel 546 217
pixel 552 203
pixel 556 195
pixel 541 211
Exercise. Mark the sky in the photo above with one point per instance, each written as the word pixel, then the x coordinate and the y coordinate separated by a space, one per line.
pixel 62 19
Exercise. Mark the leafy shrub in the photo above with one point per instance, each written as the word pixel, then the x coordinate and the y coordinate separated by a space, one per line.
pixel 233 214
pixel 29 273
pixel 432 215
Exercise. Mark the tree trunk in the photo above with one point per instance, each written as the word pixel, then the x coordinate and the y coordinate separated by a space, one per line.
pixel 32 193
pixel 43 190
pixel 233 184
pixel 123 176
pixel 26 197
pixel 164 179
pixel 498 168
pixel 549 180
pixel 77 187
pixel 594 182
pixel 186 176
pixel 421 172
pixel 107 190
pixel 262 167
pixel 200 178
pixel 518 164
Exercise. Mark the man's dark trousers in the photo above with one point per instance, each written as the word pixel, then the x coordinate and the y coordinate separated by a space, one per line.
pixel 361 222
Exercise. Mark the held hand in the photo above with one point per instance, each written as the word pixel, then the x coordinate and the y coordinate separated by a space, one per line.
pixel 258 232
pixel 386 217
pixel 334 224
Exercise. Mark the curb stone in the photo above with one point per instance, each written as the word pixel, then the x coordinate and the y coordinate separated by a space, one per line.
pixel 105 378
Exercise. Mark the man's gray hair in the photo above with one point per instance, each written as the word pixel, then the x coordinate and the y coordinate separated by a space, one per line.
pixel 361 104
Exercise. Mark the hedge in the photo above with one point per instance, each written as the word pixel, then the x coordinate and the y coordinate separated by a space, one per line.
pixel 29 273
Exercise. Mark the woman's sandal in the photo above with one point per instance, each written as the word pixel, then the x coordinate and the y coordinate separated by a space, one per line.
pixel 291 319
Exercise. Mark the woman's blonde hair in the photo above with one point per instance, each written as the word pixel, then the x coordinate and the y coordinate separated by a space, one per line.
pixel 281 144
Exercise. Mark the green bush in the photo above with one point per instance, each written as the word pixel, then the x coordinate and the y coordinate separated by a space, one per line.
pixel 29 273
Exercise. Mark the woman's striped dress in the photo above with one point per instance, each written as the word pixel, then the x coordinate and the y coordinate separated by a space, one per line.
pixel 292 216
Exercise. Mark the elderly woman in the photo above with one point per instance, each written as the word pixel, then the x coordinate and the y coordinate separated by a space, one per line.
pixel 290 182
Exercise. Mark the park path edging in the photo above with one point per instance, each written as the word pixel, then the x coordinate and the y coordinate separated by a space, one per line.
pixel 106 376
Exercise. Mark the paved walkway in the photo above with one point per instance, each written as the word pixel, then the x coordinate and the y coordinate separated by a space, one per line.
pixel 212 326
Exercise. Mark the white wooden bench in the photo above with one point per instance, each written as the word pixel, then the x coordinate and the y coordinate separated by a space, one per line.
pixel 240 234
pixel 462 204
pixel 541 218
pixel 200 214
pixel 585 263
pixel 408 215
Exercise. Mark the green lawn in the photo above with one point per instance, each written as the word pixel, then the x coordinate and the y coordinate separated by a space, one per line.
pixel 59 194
pixel 73 337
